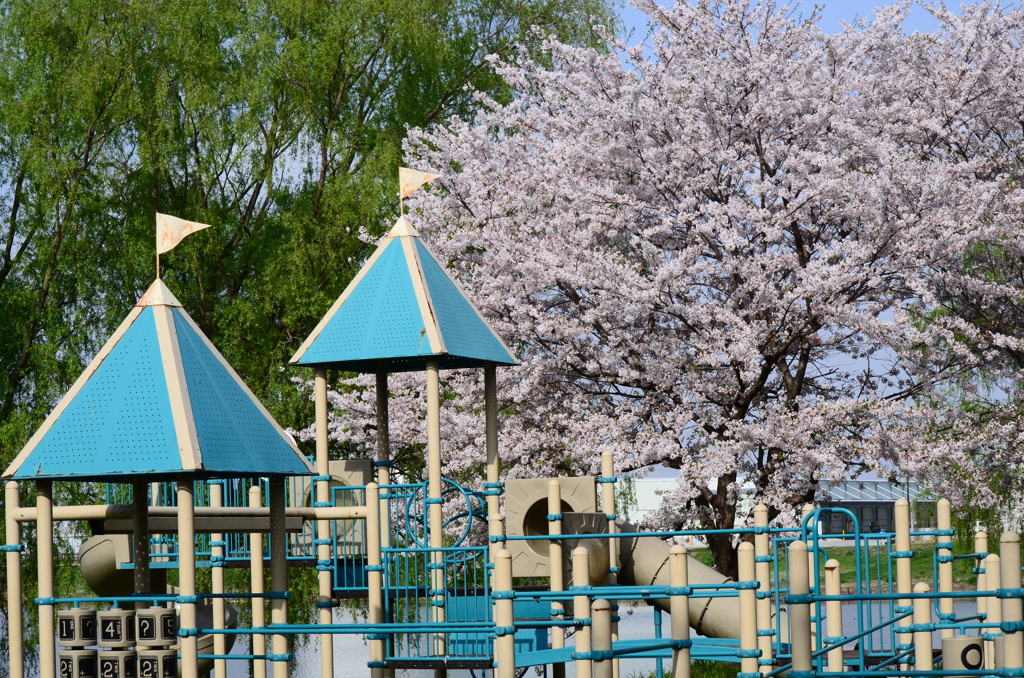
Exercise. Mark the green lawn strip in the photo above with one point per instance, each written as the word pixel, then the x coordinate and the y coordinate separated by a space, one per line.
pixel 698 669
pixel 920 564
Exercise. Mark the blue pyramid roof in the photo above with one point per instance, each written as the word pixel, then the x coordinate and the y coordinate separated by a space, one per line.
pixel 158 399
pixel 403 307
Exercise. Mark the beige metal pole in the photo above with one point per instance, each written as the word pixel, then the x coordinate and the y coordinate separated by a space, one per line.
pixel 437 579
pixel 278 569
pixel 901 513
pixel 159 546
pixel 833 615
pixel 922 639
pixel 384 457
pixel 812 573
pixel 799 611
pixel 491 415
pixel 1013 643
pixel 581 609
pixel 993 577
pixel 679 609
pixel 187 574
pixel 375 599
pixel 504 645
pixel 602 632
pixel 15 635
pixel 323 527
pixel 981 546
pixel 495 528
pixel 259 610
pixel 555 566
pixel 44 550
pixel 944 520
pixel 256 575
pixel 608 502
pixel 383 450
pixel 140 537
pixel 220 666
pixel 748 607
pixel 762 552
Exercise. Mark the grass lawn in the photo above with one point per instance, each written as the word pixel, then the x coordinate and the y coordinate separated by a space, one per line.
pixel 699 669
pixel 921 564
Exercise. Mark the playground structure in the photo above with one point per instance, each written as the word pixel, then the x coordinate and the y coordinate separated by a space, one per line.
pixel 197 474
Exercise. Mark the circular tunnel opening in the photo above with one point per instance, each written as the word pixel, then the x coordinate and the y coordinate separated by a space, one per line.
pixel 535 522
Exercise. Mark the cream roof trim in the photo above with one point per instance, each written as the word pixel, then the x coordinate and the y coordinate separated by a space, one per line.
pixel 177 389
pixel 426 305
pixel 158 295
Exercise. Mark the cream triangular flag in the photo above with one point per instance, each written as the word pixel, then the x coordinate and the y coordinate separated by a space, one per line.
pixel 171 230
pixel 412 179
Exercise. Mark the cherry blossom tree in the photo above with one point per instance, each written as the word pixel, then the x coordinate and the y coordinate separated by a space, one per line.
pixel 743 252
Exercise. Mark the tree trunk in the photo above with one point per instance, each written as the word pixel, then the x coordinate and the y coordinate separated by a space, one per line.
pixel 726 560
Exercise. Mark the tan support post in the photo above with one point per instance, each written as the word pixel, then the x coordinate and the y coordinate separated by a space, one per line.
pixel 160 547
pixel 679 609
pixel 323 527
pixel 602 633
pixel 922 639
pixel 383 455
pixel 15 634
pixel 981 546
pixel 491 425
pixel 437 576
pixel 748 607
pixel 555 565
pixel 833 615
pixel 608 502
pixel 44 534
pixel 259 609
pixel 140 536
pixel 799 612
pixel 944 520
pixel 278 569
pixel 504 645
pixel 495 528
pixel 581 609
pixel 901 514
pixel 812 573
pixel 220 666
pixel 993 577
pixel 762 551
pixel 1013 643
pixel 375 600
pixel 187 574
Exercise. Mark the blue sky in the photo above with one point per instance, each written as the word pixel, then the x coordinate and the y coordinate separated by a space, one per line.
pixel 832 13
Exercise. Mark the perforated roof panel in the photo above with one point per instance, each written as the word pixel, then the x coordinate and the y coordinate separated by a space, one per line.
pixel 379 319
pixel 158 400
pixel 464 330
pixel 234 435
pixel 120 421
pixel 402 307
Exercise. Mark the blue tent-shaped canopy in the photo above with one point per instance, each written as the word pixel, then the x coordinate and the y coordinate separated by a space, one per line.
pixel 403 307
pixel 158 400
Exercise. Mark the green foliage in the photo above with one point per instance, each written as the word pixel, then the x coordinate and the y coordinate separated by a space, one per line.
pixel 279 122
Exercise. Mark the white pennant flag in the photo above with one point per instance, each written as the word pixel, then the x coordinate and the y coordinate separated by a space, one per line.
pixel 172 230
pixel 411 179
